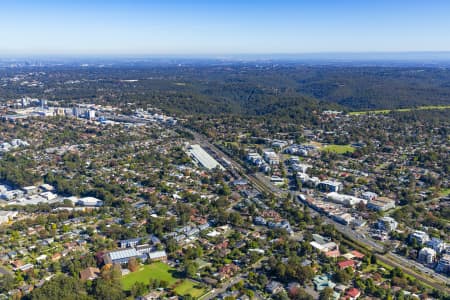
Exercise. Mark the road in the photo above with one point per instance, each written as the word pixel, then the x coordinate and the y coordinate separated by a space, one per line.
pixel 438 281
pixel 215 292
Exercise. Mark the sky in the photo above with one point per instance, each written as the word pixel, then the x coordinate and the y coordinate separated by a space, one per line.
pixel 221 27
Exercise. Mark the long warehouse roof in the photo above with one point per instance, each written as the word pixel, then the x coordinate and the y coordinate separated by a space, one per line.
pixel 203 157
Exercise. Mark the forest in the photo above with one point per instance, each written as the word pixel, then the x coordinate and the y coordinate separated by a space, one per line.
pixel 255 89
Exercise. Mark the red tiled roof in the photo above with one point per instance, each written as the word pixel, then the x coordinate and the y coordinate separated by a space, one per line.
pixel 333 253
pixel 346 263
pixel 353 292
pixel 357 254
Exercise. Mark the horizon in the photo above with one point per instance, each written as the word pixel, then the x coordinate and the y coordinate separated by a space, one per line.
pixel 357 56
pixel 221 28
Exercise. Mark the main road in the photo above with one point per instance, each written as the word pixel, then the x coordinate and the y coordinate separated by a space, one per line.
pixel 438 281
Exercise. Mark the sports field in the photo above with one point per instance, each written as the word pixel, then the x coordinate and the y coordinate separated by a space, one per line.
pixel 339 149
pixel 162 271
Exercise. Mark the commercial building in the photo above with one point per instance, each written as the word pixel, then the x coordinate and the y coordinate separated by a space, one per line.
pixel 369 196
pixel 381 204
pixel 343 218
pixel 443 265
pixel 436 244
pixel 420 236
pixel 330 186
pixel 202 157
pixel 271 157
pixel 387 224
pixel 344 199
pixel 427 255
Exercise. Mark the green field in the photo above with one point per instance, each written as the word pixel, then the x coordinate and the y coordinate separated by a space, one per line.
pixel 339 149
pixel 445 192
pixel 385 111
pixel 162 271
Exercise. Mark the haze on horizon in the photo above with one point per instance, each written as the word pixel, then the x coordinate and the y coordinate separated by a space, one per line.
pixel 175 27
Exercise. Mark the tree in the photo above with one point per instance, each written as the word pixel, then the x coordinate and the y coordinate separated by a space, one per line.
pixel 190 268
pixel 326 294
pixel 6 283
pixel 107 290
pixel 133 265
pixel 61 287
pixel 342 276
pixel 138 289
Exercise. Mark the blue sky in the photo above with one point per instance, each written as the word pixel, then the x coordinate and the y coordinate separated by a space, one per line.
pixel 186 27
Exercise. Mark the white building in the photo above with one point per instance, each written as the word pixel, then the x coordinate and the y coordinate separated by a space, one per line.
pixel 381 204
pixel 49 195
pixel 344 199
pixel 343 218
pixel 437 245
pixel 420 236
pixel 330 186
pixel 369 196
pixel 271 157
pixel 302 168
pixel 277 180
pixel 324 247
pixel 427 255
pixel 387 224
pixel 47 187
pixel 90 201
pixel 6 216
pixel 279 144
pixel 90 114
pixel 158 256
pixel 30 190
pixel 12 194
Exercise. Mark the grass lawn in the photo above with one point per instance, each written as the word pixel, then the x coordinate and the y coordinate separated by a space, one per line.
pixel 339 149
pixel 162 271
pixel 445 192
pixel 188 287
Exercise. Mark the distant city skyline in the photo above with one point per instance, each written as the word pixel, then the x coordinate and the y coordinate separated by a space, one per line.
pixel 176 27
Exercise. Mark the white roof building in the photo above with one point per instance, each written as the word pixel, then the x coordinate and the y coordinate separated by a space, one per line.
pixel 90 201
pixel 387 224
pixel 203 158
pixel 157 255
pixel 6 216
pixel 381 204
pixel 344 199
pixel 420 236
pixel 427 255
pixel 48 195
